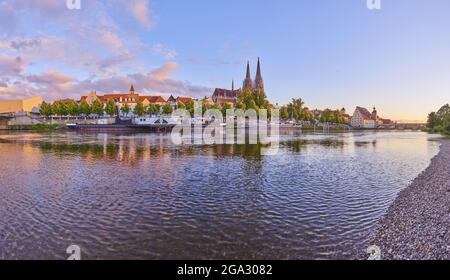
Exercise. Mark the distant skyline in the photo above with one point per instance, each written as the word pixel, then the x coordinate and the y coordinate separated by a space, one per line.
pixel 331 53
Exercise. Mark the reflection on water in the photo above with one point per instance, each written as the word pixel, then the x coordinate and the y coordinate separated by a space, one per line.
pixel 138 196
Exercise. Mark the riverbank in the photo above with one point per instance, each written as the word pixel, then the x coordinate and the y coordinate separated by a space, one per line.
pixel 417 224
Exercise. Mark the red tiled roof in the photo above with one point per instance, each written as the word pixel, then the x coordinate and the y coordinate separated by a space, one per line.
pixel 386 121
pixel 152 99
pixel 365 113
pixel 184 99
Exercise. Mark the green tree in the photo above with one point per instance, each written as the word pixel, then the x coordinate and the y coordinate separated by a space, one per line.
pixel 296 110
pixel 46 109
pixel 110 107
pixel 308 116
pixel 284 113
pixel 85 108
pixel 125 109
pixel 327 116
pixel 225 107
pixel 59 108
pixel 432 120
pixel 139 109
pixel 439 122
pixel 181 105
pixel 97 107
pixel 167 109
pixel 253 99
pixel 190 107
pixel 241 105
pixel 152 109
pixel 73 108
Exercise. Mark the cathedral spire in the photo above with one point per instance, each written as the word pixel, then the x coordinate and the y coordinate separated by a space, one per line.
pixel 259 82
pixel 248 76
pixel 248 83
pixel 258 71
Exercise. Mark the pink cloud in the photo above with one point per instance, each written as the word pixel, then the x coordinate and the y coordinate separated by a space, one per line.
pixel 10 65
pixel 141 11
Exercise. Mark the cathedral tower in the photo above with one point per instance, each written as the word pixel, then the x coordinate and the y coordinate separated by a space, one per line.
pixel 259 82
pixel 248 83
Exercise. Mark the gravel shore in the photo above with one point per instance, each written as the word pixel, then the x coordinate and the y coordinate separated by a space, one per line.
pixel 417 224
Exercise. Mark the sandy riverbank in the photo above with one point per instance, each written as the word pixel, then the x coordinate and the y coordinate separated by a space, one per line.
pixel 417 224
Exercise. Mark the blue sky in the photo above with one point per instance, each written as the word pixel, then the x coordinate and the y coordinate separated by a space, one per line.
pixel 331 53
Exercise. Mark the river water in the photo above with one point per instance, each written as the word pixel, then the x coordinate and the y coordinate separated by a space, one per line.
pixel 138 196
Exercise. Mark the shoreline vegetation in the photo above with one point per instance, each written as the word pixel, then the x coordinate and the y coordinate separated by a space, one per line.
pixel 417 224
pixel 44 127
pixel 439 122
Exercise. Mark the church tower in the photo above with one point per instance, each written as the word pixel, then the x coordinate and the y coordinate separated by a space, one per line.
pixel 259 82
pixel 248 83
pixel 374 114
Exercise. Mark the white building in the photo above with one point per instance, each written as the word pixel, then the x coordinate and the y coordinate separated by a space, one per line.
pixel 362 118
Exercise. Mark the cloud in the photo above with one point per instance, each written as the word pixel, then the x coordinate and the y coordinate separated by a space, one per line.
pixel 52 77
pixel 168 53
pixel 141 11
pixel 160 80
pixel 55 85
pixel 23 44
pixel 112 41
pixel 91 42
pixel 11 65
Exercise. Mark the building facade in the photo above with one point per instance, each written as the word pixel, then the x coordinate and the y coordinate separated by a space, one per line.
pixel 226 96
pixel 362 118
pixel 21 106
pixel 131 98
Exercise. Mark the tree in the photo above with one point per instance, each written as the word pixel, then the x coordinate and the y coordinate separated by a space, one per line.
pixel 97 107
pixel 327 116
pixel 85 108
pixel 59 108
pixel 46 109
pixel 73 108
pixel 253 99
pixel 167 109
pixel 225 107
pixel 296 111
pixel 440 121
pixel 152 109
pixel 190 107
pixel 308 115
pixel 284 113
pixel 139 109
pixel 181 105
pixel 240 105
pixel 125 109
pixel 110 107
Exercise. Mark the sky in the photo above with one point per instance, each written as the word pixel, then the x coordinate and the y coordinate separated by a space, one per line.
pixel 330 53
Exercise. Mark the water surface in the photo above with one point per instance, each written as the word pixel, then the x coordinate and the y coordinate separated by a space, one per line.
pixel 137 196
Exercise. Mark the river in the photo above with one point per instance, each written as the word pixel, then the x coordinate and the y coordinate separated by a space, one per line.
pixel 138 196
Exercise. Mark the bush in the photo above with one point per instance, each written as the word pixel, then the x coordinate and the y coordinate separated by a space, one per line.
pixel 45 127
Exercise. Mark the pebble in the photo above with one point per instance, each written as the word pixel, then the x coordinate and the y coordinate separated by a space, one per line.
pixel 416 226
